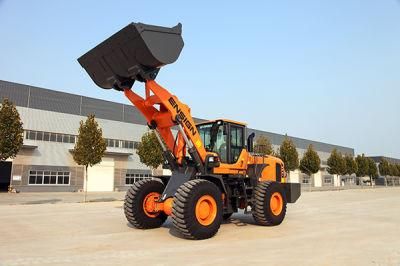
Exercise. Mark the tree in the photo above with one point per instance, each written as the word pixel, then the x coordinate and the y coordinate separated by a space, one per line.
pixel 398 168
pixel 90 146
pixel 150 151
pixel 363 166
pixel 351 164
pixel 11 131
pixel 289 155
pixel 384 167
pixel 372 169
pixel 310 163
pixel 336 163
pixel 393 171
pixel 263 146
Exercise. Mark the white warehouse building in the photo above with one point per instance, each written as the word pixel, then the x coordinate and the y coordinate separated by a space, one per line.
pixel 51 121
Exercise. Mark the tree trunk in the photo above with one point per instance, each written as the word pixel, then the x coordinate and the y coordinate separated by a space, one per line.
pixel 86 180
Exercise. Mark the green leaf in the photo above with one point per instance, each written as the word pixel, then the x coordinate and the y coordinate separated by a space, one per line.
pixel 11 131
pixel 263 146
pixel 90 145
pixel 289 155
pixel 351 164
pixel 150 151
pixel 310 163
pixel 336 163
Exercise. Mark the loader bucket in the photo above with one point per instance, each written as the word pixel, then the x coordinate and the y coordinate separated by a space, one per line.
pixel 134 53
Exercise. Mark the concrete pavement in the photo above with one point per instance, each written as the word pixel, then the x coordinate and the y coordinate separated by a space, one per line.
pixel 77 197
pixel 351 227
pixel 57 197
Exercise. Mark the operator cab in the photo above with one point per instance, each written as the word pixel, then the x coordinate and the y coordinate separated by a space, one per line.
pixel 224 137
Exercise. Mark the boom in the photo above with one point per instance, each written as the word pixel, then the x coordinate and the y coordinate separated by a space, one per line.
pixel 170 113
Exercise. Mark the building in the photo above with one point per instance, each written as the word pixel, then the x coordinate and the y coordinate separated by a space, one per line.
pixel 378 159
pixel 386 180
pixel 51 121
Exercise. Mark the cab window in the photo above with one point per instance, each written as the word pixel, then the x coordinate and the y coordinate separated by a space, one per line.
pixel 214 139
pixel 237 143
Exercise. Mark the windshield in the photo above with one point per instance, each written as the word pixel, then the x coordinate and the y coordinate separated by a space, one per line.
pixel 213 138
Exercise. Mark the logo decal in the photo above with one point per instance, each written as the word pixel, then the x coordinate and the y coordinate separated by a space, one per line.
pixel 183 117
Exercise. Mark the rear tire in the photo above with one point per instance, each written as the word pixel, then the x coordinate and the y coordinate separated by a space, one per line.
pixel 133 205
pixel 197 209
pixel 269 203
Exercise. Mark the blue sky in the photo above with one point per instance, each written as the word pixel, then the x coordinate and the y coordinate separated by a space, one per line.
pixel 322 70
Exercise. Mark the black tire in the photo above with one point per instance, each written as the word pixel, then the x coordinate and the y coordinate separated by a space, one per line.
pixel 133 205
pixel 184 208
pixel 226 216
pixel 262 212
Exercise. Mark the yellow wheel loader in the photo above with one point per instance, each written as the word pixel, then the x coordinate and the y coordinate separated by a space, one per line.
pixel 215 171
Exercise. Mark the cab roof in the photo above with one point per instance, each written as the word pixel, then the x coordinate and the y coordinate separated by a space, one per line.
pixel 224 120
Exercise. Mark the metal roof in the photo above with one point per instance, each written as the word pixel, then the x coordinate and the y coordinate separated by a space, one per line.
pixel 56 101
pixel 378 159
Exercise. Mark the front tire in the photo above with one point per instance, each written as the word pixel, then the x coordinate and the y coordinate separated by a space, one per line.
pixel 197 209
pixel 135 201
pixel 269 203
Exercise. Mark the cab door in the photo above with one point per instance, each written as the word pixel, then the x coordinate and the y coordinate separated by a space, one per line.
pixel 236 142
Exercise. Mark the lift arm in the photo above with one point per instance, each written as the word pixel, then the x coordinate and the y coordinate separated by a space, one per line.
pixel 163 111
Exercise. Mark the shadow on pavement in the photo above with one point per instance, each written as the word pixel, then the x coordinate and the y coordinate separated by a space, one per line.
pixel 42 201
pixel 103 200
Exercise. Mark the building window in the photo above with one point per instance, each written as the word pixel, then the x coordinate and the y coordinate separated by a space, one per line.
pixel 53 137
pixel 117 143
pixel 32 135
pixel 110 142
pixel 66 138
pixel 132 178
pixel 39 135
pixel 306 180
pixel 46 136
pixel 328 180
pixel 49 178
pixel 136 145
pixel 128 144
pixel 125 144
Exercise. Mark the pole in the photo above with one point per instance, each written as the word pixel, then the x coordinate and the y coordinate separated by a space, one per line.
pixel 11 177
pixel 85 185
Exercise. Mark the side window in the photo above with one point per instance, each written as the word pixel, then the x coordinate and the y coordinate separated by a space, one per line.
pixel 236 143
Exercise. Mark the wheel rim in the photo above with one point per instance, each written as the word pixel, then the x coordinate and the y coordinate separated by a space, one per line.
pixel 206 210
pixel 276 203
pixel 149 204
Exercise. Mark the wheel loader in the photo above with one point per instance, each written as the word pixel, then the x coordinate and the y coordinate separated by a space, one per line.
pixel 215 171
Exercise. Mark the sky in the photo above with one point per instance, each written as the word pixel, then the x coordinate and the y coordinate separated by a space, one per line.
pixel 322 70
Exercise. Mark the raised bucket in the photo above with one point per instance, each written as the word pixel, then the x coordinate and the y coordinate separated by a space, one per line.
pixel 134 53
